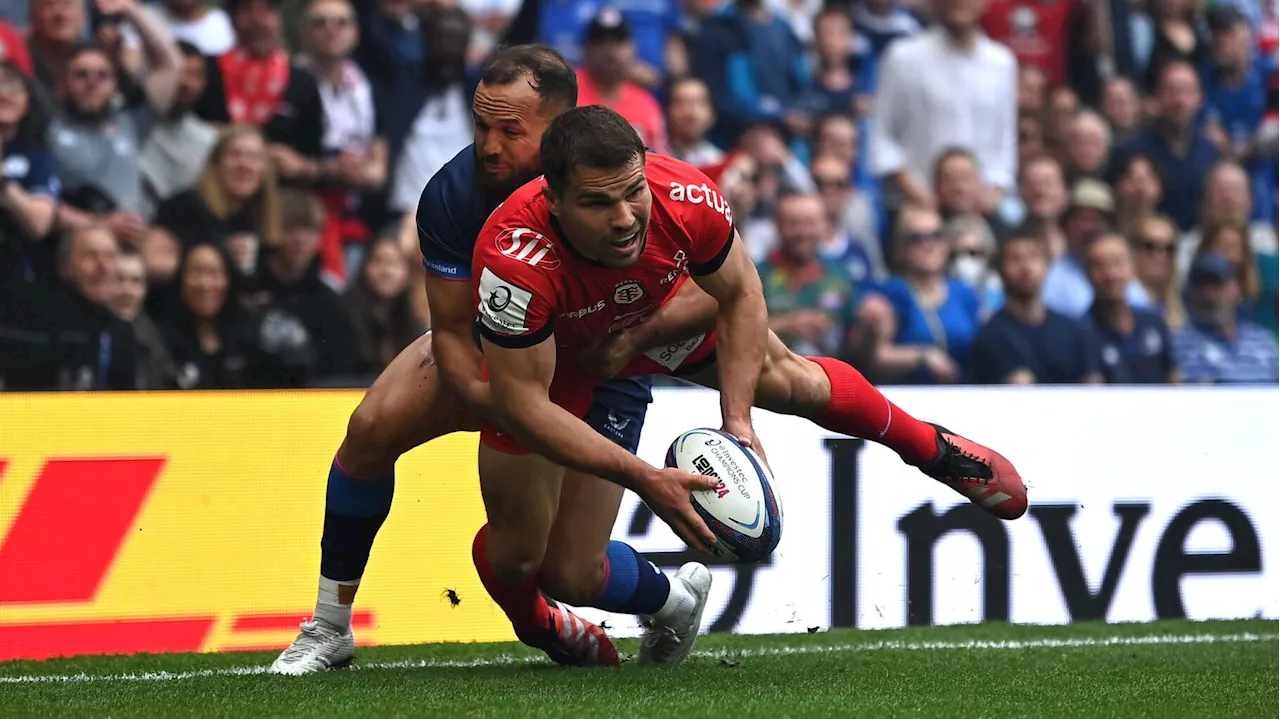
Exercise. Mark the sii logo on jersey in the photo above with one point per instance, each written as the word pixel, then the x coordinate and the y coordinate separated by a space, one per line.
pixel 627 292
pixel 529 247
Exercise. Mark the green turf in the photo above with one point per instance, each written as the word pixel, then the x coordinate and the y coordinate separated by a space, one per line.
pixel 913 672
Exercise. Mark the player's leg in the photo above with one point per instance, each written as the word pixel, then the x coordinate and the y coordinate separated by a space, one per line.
pixel 521 495
pixel 405 407
pixel 837 397
pixel 584 568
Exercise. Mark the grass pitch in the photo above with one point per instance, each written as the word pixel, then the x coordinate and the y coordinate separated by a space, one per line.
pixel 1165 669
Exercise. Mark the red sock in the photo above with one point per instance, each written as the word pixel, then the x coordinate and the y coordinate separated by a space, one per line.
pixel 859 410
pixel 523 603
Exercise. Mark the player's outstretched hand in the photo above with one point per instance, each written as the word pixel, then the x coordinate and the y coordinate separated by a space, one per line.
pixel 745 433
pixel 666 490
pixel 608 355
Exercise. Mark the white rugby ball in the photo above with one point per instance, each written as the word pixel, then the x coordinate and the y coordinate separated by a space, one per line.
pixel 743 510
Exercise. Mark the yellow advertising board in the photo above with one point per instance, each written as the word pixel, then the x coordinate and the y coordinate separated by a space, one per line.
pixel 191 522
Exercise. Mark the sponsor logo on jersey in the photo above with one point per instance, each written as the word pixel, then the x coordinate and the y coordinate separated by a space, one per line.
pixel 682 264
pixel 583 312
pixel 503 307
pixel 702 195
pixel 529 247
pixel 627 292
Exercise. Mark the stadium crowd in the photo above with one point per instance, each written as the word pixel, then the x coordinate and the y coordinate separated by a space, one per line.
pixel 221 195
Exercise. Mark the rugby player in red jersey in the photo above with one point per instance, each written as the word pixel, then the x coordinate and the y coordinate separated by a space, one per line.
pixel 600 243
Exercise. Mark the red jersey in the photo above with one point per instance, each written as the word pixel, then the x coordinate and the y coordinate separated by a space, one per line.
pixel 1037 31
pixel 529 283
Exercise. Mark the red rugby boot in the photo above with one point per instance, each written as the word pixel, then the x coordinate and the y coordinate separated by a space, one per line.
pixel 981 474
pixel 573 641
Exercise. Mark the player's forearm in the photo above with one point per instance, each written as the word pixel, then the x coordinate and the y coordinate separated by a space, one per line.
pixel 742 327
pixel 555 433
pixel 459 361
pixel 690 312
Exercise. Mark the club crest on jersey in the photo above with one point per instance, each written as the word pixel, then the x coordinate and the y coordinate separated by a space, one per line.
pixel 702 194
pixel 529 247
pixel 627 292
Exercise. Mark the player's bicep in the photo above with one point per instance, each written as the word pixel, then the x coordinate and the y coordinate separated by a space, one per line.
pixel 732 274
pixel 450 303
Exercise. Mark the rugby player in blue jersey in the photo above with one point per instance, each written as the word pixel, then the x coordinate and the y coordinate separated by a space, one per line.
pixel 433 388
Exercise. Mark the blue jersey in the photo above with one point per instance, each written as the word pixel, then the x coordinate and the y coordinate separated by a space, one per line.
pixel 452 210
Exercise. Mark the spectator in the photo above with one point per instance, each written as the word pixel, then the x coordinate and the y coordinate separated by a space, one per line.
pixel 1257 292
pixel 845 64
pixel 1177 38
pixel 1030 137
pixel 392 53
pixel 1033 89
pixel 289 280
pixel 1219 346
pixel 29 193
pixel 1139 188
pixel 96 141
pixel 1154 239
pixel 608 59
pixel 1135 344
pixel 161 254
pixel 155 366
pixel 1040 34
pixel 949 86
pixel 1066 289
pixel 882 22
pixel 210 336
pixel 380 307
pixel 957 185
pixel 443 125
pixel 1064 105
pixel 923 322
pixel 234 204
pixel 755 67
pixel 178 145
pixel 811 300
pixel 1175 142
pixel 199 24
pixel 1088 146
pixel 492 18
pixel 57 26
pixel 97 350
pixel 973 247
pixel 352 142
pixel 1227 201
pixel 689 117
pixel 836 134
pixel 853 240
pixel 1026 342
pixel 1044 200
pixel 13 49
pixel 778 170
pixel 1236 98
pixel 255 84
pixel 1122 107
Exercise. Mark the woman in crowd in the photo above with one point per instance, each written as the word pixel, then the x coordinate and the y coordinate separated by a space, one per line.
pixel 1227 200
pixel 973 247
pixel 381 308
pixel 235 203
pixel 209 334
pixel 1139 189
pixel 922 321
pixel 29 193
pixel 1154 241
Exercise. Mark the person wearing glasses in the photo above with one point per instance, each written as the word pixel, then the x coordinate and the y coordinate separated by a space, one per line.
pixel 1156 267
pixel 97 135
pixel 922 321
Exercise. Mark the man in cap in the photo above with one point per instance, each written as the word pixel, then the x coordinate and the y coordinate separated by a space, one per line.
pixel 1089 212
pixel 1219 346
pixel 608 63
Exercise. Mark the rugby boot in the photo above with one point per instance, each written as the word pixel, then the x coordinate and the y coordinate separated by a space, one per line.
pixel 319 646
pixel 572 640
pixel 979 473
pixel 669 635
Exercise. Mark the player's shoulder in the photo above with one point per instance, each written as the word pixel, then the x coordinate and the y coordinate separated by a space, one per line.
pixel 684 190
pixel 453 183
pixel 518 239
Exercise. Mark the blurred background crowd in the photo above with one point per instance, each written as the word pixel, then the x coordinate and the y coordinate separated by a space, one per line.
pixel 202 195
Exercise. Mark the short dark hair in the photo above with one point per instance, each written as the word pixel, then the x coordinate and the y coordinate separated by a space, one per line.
pixel 188 49
pixel 593 136
pixel 546 71
pixel 1025 233
pixel 85 47
pixel 950 153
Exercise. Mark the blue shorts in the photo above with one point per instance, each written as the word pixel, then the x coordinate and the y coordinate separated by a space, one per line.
pixel 618 408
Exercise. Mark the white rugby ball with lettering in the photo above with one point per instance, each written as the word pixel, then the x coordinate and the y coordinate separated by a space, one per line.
pixel 743 510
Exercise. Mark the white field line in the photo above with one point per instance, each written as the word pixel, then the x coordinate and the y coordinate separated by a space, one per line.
pixel 802 649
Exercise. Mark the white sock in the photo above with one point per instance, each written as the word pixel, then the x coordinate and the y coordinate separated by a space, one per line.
pixel 680 601
pixel 328 609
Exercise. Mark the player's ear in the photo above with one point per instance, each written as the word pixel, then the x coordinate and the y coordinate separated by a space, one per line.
pixel 553 202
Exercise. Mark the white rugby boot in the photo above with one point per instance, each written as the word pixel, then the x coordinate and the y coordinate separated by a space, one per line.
pixel 319 646
pixel 670 633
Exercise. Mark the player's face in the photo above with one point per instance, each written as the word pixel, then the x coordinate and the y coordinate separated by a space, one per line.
pixel 605 213
pixel 509 122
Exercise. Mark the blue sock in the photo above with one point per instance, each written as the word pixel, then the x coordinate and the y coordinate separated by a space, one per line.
pixel 353 513
pixel 632 585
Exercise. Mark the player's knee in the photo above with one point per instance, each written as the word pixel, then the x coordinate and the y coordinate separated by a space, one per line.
pixel 513 563
pixel 369 447
pixel 574 581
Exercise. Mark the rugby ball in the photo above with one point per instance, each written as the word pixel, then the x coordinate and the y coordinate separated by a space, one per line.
pixel 743 510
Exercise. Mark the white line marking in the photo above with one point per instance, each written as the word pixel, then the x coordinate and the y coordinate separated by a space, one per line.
pixel 509 660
